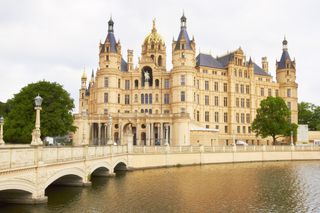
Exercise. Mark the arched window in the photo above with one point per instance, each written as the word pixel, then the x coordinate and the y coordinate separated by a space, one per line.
pixel 136 84
pixel 142 111
pixel 152 57
pixel 150 98
pixel 135 98
pixel 142 98
pixel 146 99
pixel 152 46
pixel 160 61
pixel 157 82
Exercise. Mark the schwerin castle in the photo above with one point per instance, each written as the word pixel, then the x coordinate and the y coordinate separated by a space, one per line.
pixel 202 100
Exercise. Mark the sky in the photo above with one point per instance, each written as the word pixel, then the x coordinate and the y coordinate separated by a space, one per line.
pixel 58 40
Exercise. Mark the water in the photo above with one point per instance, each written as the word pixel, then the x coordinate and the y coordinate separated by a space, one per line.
pixel 247 187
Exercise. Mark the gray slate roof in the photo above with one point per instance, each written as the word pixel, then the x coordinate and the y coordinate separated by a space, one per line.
pixel 284 57
pixel 207 61
pixel 183 34
pixel 123 66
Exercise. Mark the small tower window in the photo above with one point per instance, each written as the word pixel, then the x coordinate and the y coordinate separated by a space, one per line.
pixel 107 49
pixel 160 61
pixel 152 46
pixel 107 58
pixel 136 84
pixel 182 46
pixel 157 82
pixel 152 57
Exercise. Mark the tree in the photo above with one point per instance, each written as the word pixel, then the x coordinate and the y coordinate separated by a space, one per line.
pixel 56 114
pixel 273 119
pixel 309 114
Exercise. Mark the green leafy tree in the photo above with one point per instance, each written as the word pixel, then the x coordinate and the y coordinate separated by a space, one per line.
pixel 56 114
pixel 273 119
pixel 309 114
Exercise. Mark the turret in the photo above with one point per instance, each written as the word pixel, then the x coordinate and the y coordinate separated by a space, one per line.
pixel 286 77
pixel 183 50
pixel 130 60
pixel 83 93
pixel 264 63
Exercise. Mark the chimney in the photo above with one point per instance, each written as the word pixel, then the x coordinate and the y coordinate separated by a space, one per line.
pixel 130 60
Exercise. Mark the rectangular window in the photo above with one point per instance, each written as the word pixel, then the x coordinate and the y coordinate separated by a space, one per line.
pixel 225 117
pixel 237 102
pixel 206 85
pixel 269 92
pixel 119 83
pixel 243 129
pixel 119 98
pixel 249 129
pixel 206 116
pixel 248 118
pixel 262 91
pixel 247 89
pixel 242 102
pixel 183 96
pixel 237 88
pixel 242 117
pixel 106 97
pixel 182 80
pixel 198 99
pixel 216 86
pixel 237 117
pixel 225 87
pixel 166 98
pixel 166 83
pixel 216 117
pixel 216 100
pixel 127 84
pixel 238 129
pixel 127 99
pixel 206 100
pixel 226 129
pixel 142 98
pixel 225 101
pixel 288 93
pixel 248 103
pixel 106 82
pixel 242 88
pixel 198 116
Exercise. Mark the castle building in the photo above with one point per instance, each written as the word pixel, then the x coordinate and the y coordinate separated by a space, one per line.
pixel 201 100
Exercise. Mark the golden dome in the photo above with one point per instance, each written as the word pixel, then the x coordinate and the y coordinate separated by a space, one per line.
pixel 84 75
pixel 153 37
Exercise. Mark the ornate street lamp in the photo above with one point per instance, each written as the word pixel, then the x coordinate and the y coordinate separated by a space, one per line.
pixel 36 133
pixel 1 130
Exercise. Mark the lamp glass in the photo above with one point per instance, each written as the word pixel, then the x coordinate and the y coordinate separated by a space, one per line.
pixel 38 101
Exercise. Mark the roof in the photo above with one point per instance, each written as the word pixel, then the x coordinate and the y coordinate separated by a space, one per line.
pixel 284 57
pixel 207 61
pixel 224 60
pixel 183 35
pixel 123 66
pixel 259 71
pixel 112 40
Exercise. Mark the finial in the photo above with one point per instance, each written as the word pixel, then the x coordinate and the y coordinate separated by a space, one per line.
pixel 285 43
pixel 154 25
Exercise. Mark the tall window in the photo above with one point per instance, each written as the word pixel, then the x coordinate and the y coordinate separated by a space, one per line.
pixel 150 98
pixel 166 83
pixel 237 102
pixel 242 117
pixel 225 101
pixel 237 87
pixel 127 99
pixel 248 103
pixel 157 82
pixel 289 93
pixel 206 116
pixel 157 97
pixel 247 89
pixel 225 87
pixel 119 98
pixel 183 96
pixel 119 83
pixel 136 98
pixel 127 84
pixel 206 85
pixel 216 100
pixel 226 129
pixel 198 99
pixel 106 82
pixel 289 105
pixel 216 86
pixel 216 116
pixel 136 84
pixel 225 117
pixel 142 98
pixel 106 98
pixel 182 80
pixel 198 116
pixel 237 118
pixel 242 102
pixel 206 100
pixel 166 98
pixel 146 98
pixel 242 88
pixel 248 118
pixel 269 92
pixel 262 91
pixel 277 93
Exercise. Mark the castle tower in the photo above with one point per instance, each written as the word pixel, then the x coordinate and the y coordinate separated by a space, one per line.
pixel 286 77
pixel 83 99
pixel 110 50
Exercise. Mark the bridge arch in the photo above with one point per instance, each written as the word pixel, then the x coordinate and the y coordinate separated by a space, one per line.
pixel 22 185
pixel 100 169
pixel 120 165
pixel 74 174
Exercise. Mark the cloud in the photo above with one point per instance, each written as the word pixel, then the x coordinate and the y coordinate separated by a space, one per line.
pixel 54 40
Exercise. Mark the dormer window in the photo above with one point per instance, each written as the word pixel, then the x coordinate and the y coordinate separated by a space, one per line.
pixel 182 46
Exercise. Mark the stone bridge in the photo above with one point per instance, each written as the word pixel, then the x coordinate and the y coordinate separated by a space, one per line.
pixel 26 171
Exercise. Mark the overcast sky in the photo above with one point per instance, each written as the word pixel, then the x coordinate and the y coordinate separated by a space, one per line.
pixel 56 40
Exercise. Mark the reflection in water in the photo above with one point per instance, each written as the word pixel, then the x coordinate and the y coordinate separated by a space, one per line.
pixel 247 187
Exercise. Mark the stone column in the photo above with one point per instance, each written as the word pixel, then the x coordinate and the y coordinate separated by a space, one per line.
pixel 138 134
pixel 121 134
pixel 99 134
pixel 161 134
pixel 148 134
pixel 170 134
pixel 151 134
pixel 92 133
pixel 166 134
pixel 105 138
pixel 110 140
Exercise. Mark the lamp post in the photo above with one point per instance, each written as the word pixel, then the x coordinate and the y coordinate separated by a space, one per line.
pixel 1 130
pixel 291 138
pixel 36 133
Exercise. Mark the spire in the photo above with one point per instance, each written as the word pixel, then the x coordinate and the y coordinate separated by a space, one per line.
pixel 285 44
pixel 84 75
pixel 183 20
pixel 92 76
pixel 250 61
pixel 110 25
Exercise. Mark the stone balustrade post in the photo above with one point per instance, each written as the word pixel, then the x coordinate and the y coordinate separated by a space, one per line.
pixel 264 148
pixel 201 148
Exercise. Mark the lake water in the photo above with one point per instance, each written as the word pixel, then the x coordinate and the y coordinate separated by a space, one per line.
pixel 245 187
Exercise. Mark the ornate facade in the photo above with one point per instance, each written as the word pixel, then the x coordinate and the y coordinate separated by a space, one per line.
pixel 202 99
